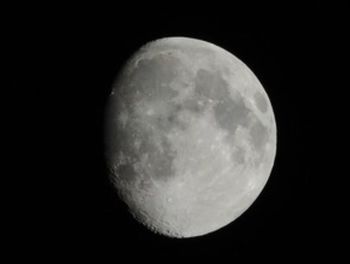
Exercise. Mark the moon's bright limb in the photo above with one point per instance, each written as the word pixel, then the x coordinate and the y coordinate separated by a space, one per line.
pixel 191 136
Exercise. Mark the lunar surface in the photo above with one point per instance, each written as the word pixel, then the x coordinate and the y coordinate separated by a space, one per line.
pixel 190 136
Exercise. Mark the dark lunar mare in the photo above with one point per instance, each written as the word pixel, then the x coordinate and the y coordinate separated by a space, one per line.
pixel 229 111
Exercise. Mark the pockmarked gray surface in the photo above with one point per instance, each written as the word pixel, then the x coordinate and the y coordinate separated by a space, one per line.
pixel 190 136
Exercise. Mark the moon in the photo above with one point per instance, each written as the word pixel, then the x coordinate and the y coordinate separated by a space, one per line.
pixel 190 136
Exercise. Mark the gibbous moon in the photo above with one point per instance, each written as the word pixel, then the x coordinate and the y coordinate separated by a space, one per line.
pixel 190 136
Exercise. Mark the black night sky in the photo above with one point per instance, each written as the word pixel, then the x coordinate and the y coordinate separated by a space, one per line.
pixel 69 66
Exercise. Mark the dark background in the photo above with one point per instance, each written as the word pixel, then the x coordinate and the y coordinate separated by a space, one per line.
pixel 66 65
